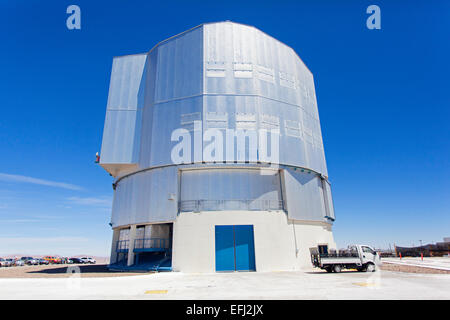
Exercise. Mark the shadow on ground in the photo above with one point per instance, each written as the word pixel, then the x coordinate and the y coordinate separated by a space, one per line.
pixel 324 272
pixel 93 268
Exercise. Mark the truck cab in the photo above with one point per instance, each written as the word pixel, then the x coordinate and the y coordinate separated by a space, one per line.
pixel 368 255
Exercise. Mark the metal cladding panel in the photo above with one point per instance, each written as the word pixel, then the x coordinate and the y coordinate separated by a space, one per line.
pixel 149 196
pixel 304 196
pixel 248 72
pixel 167 117
pixel 173 91
pixel 179 67
pixel 288 119
pixel 121 137
pixel 243 60
pixel 229 184
pixel 126 82
pixel 328 200
pixel 121 134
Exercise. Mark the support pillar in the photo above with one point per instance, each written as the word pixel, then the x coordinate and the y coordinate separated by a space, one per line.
pixel 131 245
pixel 115 238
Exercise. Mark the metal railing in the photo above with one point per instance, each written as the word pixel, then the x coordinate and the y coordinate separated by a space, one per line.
pixel 122 245
pixel 221 205
pixel 152 243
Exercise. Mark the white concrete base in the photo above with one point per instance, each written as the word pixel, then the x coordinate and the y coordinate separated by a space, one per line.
pixel 280 244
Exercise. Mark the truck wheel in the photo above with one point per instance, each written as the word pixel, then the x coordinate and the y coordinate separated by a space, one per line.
pixel 337 268
pixel 370 267
pixel 328 269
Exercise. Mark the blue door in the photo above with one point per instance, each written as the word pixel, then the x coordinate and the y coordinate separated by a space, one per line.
pixel 244 248
pixel 235 249
pixel 225 248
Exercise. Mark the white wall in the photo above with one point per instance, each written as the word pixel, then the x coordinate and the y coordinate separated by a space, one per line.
pixel 275 239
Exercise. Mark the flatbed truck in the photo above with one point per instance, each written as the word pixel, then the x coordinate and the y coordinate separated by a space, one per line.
pixel 359 257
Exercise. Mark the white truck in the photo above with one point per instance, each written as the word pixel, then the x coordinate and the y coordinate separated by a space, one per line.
pixel 359 257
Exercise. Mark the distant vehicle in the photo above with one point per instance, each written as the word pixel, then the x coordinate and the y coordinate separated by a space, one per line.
pixel 11 262
pixel 19 263
pixel 63 260
pixel 53 260
pixel 76 260
pixel 359 257
pixel 88 260
pixel 66 260
pixel 43 261
pixel 4 263
pixel 30 261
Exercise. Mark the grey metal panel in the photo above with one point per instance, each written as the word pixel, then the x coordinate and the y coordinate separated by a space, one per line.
pixel 126 77
pixel 149 196
pixel 166 117
pixel 253 65
pixel 179 67
pixel 304 195
pixel 229 184
pixel 122 131
pixel 121 137
pixel 328 199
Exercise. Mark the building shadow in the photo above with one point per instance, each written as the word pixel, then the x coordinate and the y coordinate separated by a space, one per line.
pixel 84 268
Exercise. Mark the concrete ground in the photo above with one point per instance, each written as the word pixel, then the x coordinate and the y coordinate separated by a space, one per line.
pixel 442 263
pixel 273 285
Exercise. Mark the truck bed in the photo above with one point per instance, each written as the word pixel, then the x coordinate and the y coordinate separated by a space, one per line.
pixel 340 260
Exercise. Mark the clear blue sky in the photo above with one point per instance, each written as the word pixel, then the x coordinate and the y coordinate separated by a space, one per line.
pixel 383 99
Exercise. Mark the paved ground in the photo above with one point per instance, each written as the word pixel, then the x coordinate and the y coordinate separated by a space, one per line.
pixel 442 263
pixel 274 285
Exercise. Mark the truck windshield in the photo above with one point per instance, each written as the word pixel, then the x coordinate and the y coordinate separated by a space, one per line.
pixel 367 250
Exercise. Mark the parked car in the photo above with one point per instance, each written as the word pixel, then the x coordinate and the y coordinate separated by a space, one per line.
pixel 76 260
pixel 19 263
pixel 66 260
pixel 4 263
pixel 88 260
pixel 11 262
pixel 51 259
pixel 30 261
pixel 43 261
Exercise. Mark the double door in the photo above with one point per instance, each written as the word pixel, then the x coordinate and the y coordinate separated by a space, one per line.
pixel 235 248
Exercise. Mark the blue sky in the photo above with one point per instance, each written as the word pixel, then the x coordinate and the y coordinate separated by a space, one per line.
pixel 383 99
